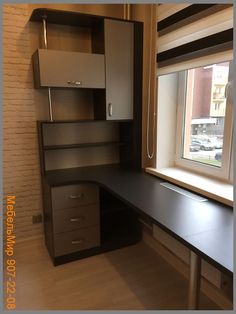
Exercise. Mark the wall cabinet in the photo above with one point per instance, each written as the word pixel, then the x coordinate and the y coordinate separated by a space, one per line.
pixel 53 68
pixel 109 67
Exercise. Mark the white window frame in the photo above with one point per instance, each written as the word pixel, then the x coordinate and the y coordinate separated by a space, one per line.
pixel 225 171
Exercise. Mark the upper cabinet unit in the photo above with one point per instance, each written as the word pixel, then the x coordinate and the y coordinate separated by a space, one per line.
pixel 112 68
pixel 53 68
pixel 119 58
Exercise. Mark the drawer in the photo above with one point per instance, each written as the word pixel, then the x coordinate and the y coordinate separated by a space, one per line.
pixel 75 218
pixel 73 195
pixel 78 240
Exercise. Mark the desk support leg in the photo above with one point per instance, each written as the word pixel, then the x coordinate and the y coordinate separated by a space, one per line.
pixel 194 281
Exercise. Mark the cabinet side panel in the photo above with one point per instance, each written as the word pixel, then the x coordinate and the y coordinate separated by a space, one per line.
pixel 138 95
pixel 126 151
pixel 98 38
pixel 36 70
pixel 131 132
pixel 119 47
pixel 41 144
pixel 47 217
pixel 99 99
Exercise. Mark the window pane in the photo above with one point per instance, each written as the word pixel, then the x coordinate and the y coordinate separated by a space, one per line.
pixel 205 106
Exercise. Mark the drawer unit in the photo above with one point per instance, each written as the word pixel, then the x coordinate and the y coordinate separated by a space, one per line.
pixel 76 218
pixel 78 240
pixel 69 196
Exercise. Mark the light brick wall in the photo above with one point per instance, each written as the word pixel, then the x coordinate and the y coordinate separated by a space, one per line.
pixel 21 174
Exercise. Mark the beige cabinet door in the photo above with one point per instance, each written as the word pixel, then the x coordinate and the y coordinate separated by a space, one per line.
pixel 54 68
pixel 119 59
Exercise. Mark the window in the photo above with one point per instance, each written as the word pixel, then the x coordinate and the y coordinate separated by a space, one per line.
pixel 204 124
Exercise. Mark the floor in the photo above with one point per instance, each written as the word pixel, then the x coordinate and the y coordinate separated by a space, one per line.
pixel 132 278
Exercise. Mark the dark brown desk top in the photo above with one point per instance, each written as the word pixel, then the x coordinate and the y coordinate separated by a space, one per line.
pixel 205 227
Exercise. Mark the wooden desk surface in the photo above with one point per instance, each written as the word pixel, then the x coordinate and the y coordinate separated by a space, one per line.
pixel 205 227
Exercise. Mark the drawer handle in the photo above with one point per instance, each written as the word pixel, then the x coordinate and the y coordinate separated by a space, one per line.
pixel 74 83
pixel 76 219
pixel 76 196
pixel 79 241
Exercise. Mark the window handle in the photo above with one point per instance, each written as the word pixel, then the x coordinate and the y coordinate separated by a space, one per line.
pixel 227 88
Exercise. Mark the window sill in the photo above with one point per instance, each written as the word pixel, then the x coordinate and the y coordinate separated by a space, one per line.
pixel 212 188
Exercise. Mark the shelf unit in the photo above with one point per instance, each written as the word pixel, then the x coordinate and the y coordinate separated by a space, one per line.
pixel 114 138
pixel 113 135
pixel 119 223
pixel 122 68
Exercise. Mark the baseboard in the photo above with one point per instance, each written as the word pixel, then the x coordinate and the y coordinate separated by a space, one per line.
pixel 207 288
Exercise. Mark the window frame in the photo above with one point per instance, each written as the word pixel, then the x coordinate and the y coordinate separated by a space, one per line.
pixel 225 171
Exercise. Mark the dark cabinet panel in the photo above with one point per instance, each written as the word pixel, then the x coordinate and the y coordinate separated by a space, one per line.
pixel 53 68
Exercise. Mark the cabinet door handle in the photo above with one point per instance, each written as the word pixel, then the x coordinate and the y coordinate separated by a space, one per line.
pixel 76 219
pixel 74 83
pixel 76 196
pixel 79 241
pixel 110 109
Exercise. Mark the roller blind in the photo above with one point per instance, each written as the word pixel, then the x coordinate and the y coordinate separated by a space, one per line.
pixel 193 35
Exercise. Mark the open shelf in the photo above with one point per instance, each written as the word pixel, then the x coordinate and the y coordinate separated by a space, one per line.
pixel 120 226
pixel 82 145
pixel 109 203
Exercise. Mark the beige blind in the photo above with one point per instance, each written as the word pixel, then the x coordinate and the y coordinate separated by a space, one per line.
pixel 210 20
pixel 165 10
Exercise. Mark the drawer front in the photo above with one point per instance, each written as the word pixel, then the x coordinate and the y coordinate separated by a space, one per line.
pixel 78 240
pixel 68 196
pixel 75 218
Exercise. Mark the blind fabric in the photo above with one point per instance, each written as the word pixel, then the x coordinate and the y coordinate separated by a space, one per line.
pixel 209 25
pixel 219 19
pixel 196 62
pixel 166 10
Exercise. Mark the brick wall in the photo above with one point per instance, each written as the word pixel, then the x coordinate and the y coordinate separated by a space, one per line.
pixel 20 157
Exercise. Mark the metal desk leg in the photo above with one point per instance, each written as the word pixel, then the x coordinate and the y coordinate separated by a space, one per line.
pixel 194 281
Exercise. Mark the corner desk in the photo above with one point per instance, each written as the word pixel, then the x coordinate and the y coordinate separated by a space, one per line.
pixel 206 228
